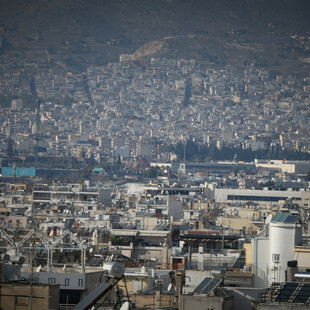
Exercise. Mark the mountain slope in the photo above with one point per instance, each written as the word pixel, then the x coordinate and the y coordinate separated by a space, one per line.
pixel 216 32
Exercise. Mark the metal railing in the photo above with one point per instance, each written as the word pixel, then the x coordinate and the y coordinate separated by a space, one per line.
pixel 214 262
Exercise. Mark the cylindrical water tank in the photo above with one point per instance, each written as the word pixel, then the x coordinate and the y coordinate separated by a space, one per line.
pixel 5 257
pixel 283 238
pixel 114 269
pixel 17 259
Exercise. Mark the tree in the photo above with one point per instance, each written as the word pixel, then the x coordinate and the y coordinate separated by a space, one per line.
pixel 151 173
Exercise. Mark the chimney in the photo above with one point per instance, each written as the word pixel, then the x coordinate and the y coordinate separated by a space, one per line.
pixel 179 287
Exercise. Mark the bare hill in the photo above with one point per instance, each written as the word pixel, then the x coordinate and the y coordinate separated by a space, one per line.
pixel 74 34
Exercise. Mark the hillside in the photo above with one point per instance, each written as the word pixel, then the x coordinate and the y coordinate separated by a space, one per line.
pixel 73 34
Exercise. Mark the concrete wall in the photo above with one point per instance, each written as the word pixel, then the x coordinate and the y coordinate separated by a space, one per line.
pixel 244 296
pixel 17 221
pixel 302 255
pixel 156 301
pixel 235 222
pixel 25 297
pixel 221 194
pixel 134 283
pixel 149 253
pixel 260 259
pixel 248 254
pixel 192 302
pixel 66 280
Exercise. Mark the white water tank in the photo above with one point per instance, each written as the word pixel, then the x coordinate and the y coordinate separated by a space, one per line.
pixel 283 238
pixel 114 269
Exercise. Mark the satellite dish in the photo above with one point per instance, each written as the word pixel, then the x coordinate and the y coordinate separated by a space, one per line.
pixel 268 219
pixel 169 287
pixel 91 250
pixel 125 306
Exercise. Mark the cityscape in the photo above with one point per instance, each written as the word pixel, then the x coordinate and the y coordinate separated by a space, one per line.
pixel 125 110
pixel 153 180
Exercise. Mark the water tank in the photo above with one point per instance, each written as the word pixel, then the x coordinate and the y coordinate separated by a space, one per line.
pixel 5 257
pixel 114 269
pixel 17 259
pixel 283 238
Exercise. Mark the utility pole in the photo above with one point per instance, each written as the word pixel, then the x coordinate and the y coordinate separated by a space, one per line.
pixel 222 228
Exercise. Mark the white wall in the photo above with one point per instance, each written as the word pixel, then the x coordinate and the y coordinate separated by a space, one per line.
pixel 282 239
pixel 260 255
pixel 221 194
